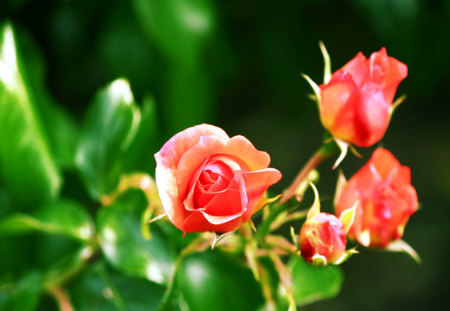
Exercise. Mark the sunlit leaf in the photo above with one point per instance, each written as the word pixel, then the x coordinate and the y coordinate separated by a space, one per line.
pixel 26 165
pixel 110 127
pixel 312 283
pixel 62 217
pixel 210 280
pixel 124 246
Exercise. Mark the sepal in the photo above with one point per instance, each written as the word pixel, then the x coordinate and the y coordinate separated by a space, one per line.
pixel 327 63
pixel 401 246
pixel 343 146
pixel 348 216
pixel 345 256
pixel 315 208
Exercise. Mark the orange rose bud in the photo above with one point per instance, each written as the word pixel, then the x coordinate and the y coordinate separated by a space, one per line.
pixel 356 104
pixel 208 181
pixel 386 200
pixel 322 237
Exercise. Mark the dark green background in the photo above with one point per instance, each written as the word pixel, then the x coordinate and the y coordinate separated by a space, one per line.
pixel 241 71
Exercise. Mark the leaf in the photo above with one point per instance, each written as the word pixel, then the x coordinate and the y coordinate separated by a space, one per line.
pixel 62 217
pixel 124 246
pixel 211 280
pixel 139 156
pixel 58 125
pixel 100 289
pixel 179 28
pixel 312 283
pixel 109 128
pixel 24 296
pixel 26 165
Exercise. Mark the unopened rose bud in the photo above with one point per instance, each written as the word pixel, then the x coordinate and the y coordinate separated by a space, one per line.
pixel 322 238
pixel 356 104
pixel 386 200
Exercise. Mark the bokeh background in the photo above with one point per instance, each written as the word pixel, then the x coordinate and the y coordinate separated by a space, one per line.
pixel 237 64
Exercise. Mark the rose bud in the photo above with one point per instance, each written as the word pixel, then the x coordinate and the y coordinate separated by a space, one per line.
pixel 322 237
pixel 356 104
pixel 210 182
pixel 384 200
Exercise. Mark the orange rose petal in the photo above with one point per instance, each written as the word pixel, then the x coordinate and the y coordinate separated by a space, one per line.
pixel 384 162
pixel 167 160
pixel 197 220
pixel 230 202
pixel 372 116
pixel 192 159
pixel 336 98
pixel 242 148
pixel 357 67
pixel 256 183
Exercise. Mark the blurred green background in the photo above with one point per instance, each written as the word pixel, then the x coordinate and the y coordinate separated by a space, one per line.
pixel 237 64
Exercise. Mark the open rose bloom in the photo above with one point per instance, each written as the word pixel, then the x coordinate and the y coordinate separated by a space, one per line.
pixel 355 105
pixel 386 200
pixel 208 181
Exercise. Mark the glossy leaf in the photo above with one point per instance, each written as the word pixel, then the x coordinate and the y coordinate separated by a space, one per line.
pixel 312 283
pixel 178 27
pixel 26 165
pixel 109 128
pixel 124 246
pixel 24 296
pixel 101 289
pixel 62 217
pixel 210 280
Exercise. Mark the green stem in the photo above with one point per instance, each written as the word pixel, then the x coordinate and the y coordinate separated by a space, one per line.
pixel 323 153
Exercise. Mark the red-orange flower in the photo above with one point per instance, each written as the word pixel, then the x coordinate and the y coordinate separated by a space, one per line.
pixel 386 200
pixel 322 235
pixel 355 105
pixel 210 182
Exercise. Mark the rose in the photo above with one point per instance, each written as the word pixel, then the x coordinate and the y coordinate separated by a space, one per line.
pixel 323 236
pixel 386 200
pixel 355 105
pixel 210 182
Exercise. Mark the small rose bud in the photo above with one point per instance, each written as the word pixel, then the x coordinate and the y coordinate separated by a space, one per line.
pixel 322 238
pixel 208 181
pixel 384 200
pixel 356 104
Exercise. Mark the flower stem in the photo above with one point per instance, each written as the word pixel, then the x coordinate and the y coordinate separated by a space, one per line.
pixel 323 153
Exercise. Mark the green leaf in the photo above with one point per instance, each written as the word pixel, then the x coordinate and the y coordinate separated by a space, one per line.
pixel 139 156
pixel 62 217
pixel 124 246
pixel 180 27
pixel 110 127
pixel 311 283
pixel 212 281
pixel 24 296
pixel 100 289
pixel 59 127
pixel 26 165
